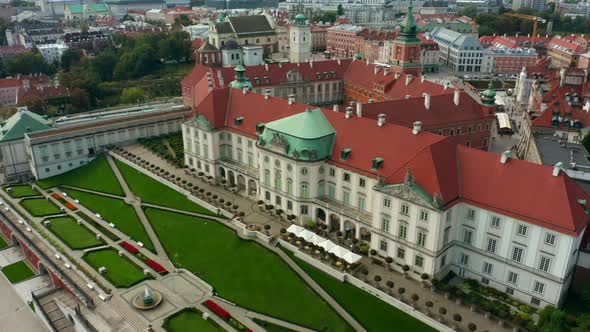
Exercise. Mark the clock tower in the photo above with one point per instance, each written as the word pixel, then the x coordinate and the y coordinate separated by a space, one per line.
pixel 406 57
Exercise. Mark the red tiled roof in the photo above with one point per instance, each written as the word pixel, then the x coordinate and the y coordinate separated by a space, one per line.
pixel 456 173
pixel 195 44
pixel 362 74
pixel 565 45
pixel 9 82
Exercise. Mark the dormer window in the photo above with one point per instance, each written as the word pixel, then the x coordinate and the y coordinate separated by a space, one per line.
pixel 238 121
pixel 333 74
pixel 266 79
pixel 345 153
pixel 256 80
pixel 318 75
pixel 377 163
pixel 259 128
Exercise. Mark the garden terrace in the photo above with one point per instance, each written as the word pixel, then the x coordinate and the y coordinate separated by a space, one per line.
pixel 98 226
pixel 121 272
pixel 18 272
pixel 154 192
pixel 242 271
pixel 371 312
pixel 96 175
pixel 40 207
pixel 74 235
pixel 168 147
pixel 189 320
pixel 21 191
pixel 115 211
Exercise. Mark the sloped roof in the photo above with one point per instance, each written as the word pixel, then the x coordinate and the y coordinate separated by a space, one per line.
pixel 88 8
pixel 250 24
pixel 20 123
pixel 307 125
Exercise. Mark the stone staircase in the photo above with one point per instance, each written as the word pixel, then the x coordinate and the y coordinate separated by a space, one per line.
pixel 54 313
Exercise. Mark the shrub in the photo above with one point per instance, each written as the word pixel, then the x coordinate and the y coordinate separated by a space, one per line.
pixel 389 260
pixel 339 234
pixel 283 230
pixel 472 327
pixel 259 202
pixel 365 272
pixel 401 290
pixel 424 276
pixel 228 203
pixel 457 317
pixel 377 278
pixel 214 196
pixel 311 224
pixel 429 304
pixel 390 284
pixel 241 214
pixel 221 200
pixel 415 297
pixel 267 227
pixel 406 268
pixel 442 311
pixel 235 207
pixel 373 252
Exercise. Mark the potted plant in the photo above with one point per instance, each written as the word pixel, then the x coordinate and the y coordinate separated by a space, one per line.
pixel 390 285
pixel 424 277
pixel 388 260
pixel 373 252
pixel 365 273
pixel 401 292
pixel 442 311
pixel 406 268
pixel 429 305
pixel 472 327
pixel 377 279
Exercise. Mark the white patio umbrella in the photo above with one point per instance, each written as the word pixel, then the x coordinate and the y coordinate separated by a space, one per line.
pixel 305 234
pixel 295 229
pixel 338 251
pixel 315 239
pixel 351 258
pixel 326 244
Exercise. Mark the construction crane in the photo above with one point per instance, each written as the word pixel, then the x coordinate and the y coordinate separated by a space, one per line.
pixel 536 21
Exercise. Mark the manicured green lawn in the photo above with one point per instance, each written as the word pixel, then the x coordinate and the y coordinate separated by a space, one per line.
pixel 74 235
pixel 117 212
pixel 17 272
pixel 21 191
pixel 189 320
pixel 154 192
pixel 242 271
pixel 120 271
pixel 39 207
pixel 3 243
pixel 96 175
pixel 372 313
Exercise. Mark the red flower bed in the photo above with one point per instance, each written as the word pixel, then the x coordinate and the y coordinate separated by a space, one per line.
pixel 71 206
pixel 217 309
pixel 56 196
pixel 248 330
pixel 129 247
pixel 156 266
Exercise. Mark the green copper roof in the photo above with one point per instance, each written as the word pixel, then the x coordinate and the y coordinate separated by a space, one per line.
pixel 305 136
pixel 300 19
pixel 488 97
pixel 241 80
pixel 89 8
pixel 20 123
pixel 409 27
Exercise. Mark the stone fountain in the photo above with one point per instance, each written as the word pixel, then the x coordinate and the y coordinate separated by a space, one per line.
pixel 149 299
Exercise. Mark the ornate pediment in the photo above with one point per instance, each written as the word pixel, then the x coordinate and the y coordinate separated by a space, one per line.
pixel 413 193
pixel 278 143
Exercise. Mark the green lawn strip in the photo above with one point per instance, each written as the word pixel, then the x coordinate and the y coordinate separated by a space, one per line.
pixel 17 272
pixel 270 327
pixel 154 192
pixel 3 243
pixel 242 271
pixel 96 175
pixel 98 226
pixel 74 235
pixel 121 272
pixel 21 191
pixel 115 211
pixel 371 312
pixel 39 207
pixel 190 320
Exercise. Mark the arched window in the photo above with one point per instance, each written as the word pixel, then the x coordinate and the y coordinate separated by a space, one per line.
pixel 278 181
pixel 304 190
pixel 289 186
pixel 266 177
pixel 304 171
pixel 321 188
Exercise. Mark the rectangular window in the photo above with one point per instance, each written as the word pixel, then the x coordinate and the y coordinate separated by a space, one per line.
pixel 423 216
pixel 517 254
pixel 492 245
pixel 446 236
pixel 512 277
pixel 332 172
pixel 267 195
pixel 464 259
pixel 544 263
pixel 361 203
pixel 539 287
pixel 362 182
pixel 550 239
pixel 467 235
pixel 485 281
pixel 403 231
pixel 521 230
pixel 495 222
pixel 419 261
pixel 303 209
pixel 331 191
pixel 346 177
pixel 421 239
pixel 510 290
pixel 449 216
pixel 487 268
pixel 289 205
pixel 383 245
pixel 386 202
pixel 401 253
pixel 385 224
pixel 443 261
pixel 535 301
pixel 470 214
pixel 405 209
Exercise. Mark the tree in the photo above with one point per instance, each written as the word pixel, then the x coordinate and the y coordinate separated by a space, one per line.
pixel 176 47
pixel 104 65
pixel 79 99
pixel 34 103
pixel 470 11
pixel 127 17
pixel 29 63
pixel 182 20
pixel 340 10
pixel 70 57
pixel 133 95
pixel 585 295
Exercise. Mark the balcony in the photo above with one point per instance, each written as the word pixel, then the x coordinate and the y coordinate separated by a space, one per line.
pixel 237 166
pixel 345 209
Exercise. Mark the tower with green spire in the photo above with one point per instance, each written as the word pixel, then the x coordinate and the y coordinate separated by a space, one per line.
pixel 241 80
pixel 407 47
pixel 488 96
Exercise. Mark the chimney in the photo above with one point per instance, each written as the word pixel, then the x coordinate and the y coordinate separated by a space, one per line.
pixel 266 66
pixel 446 85
pixel 586 106
pixel 456 97
pixel 376 70
pixel 348 113
pixel 371 100
pixel 409 79
pixel 280 65
pixel 336 107
pixel 417 127
pixel 426 101
pixel 245 89
pixel 408 96
pixel 359 109
pixel 310 63
pixel 505 155
pixel 381 120
pixel 267 94
pixel 351 104
pixel 291 99
pixel 398 75
pixel 386 71
pixel 423 78
pixel 557 168
pixel 339 62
